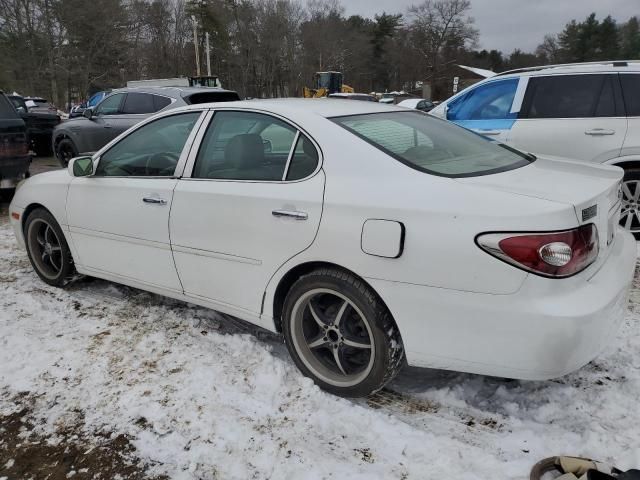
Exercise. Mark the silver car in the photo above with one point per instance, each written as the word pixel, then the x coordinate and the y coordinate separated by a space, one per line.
pixel 122 109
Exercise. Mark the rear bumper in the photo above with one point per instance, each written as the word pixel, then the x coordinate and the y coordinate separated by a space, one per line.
pixel 545 330
pixel 14 168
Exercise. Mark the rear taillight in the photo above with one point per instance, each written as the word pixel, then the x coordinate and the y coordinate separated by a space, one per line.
pixel 551 254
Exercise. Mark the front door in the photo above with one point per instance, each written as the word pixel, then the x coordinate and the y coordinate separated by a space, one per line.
pixel 573 116
pixel 253 201
pixel 486 109
pixel 119 217
pixel 99 129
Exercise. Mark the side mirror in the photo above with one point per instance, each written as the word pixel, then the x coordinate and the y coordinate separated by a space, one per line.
pixel 88 113
pixel 80 166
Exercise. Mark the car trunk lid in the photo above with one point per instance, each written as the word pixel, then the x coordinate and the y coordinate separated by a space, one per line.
pixel 594 191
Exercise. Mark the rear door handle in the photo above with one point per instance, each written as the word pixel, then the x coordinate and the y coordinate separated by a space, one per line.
pixel 599 131
pixel 158 201
pixel 290 213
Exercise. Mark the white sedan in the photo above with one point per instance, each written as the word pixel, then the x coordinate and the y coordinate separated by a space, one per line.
pixel 367 234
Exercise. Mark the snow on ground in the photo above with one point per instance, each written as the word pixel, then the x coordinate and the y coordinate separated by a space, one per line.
pixel 202 396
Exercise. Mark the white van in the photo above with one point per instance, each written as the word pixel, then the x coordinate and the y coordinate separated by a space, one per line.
pixel 586 111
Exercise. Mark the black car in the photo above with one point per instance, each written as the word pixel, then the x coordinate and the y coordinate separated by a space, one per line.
pixel 40 124
pixel 14 147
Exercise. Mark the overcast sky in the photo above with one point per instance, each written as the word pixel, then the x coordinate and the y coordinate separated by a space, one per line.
pixel 509 24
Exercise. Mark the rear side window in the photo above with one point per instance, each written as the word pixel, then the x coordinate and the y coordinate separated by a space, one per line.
pixel 432 145
pixel 137 103
pixel 6 108
pixel 160 102
pixel 571 96
pixel 490 101
pixel 631 92
pixel 304 160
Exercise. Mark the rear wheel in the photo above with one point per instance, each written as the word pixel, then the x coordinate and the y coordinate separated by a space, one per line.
pixel 340 334
pixel 630 213
pixel 47 248
pixel 65 151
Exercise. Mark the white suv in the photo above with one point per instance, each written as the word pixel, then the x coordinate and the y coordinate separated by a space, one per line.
pixel 585 111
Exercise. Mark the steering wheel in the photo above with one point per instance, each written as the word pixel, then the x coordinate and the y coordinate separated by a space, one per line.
pixel 160 163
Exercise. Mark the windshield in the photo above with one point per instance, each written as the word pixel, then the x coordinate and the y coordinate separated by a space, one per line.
pixel 433 145
pixel 6 108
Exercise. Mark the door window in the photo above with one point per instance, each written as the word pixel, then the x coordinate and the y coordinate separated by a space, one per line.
pixel 152 150
pixel 487 102
pixel 304 160
pixel 110 105
pixel 570 96
pixel 137 103
pixel 244 146
pixel 631 93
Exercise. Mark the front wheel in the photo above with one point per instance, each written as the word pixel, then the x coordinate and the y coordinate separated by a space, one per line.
pixel 65 151
pixel 340 334
pixel 47 248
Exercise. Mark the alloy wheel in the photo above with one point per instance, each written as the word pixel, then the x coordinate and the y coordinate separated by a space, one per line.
pixel 630 213
pixel 333 338
pixel 46 250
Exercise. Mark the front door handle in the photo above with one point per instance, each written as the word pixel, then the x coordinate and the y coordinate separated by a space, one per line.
pixel 158 201
pixel 290 213
pixel 488 132
pixel 599 131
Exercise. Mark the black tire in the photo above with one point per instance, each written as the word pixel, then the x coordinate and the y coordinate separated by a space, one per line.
pixel 48 249
pixel 369 319
pixel 65 151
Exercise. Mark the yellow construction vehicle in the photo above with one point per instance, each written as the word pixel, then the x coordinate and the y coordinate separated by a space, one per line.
pixel 326 83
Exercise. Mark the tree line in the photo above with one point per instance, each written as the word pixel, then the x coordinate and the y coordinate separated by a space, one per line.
pixel 64 49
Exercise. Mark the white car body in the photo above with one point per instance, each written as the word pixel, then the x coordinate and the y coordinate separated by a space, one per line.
pixel 411 236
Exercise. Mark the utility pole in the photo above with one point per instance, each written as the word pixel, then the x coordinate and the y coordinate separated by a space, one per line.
pixel 195 43
pixel 206 37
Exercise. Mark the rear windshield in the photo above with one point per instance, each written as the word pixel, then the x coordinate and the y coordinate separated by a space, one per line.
pixel 6 108
pixel 433 145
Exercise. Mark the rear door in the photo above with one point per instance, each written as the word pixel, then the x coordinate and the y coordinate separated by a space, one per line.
pixel 574 116
pixel 250 200
pixel 486 109
pixel 631 92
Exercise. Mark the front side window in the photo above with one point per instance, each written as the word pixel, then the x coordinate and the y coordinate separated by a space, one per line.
pixel 110 105
pixel 570 96
pixel 490 101
pixel 244 146
pixel 151 151
pixel 432 145
pixel 6 109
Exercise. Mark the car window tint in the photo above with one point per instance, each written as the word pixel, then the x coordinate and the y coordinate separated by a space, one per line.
pixel 93 101
pixel 563 96
pixel 138 103
pixel 631 93
pixel 606 105
pixel 160 102
pixel 151 150
pixel 6 108
pixel 432 145
pixel 304 160
pixel 490 101
pixel 110 105
pixel 244 146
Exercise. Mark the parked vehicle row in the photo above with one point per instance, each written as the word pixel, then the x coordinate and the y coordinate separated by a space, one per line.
pixel 587 112
pixel 368 234
pixel 122 109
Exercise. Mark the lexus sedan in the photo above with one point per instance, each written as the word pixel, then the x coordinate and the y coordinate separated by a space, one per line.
pixel 369 235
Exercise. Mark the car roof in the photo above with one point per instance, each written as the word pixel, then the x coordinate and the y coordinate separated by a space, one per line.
pixel 614 66
pixel 410 102
pixel 323 107
pixel 174 92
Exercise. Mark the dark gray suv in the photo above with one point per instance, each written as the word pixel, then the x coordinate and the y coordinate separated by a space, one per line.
pixel 122 109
